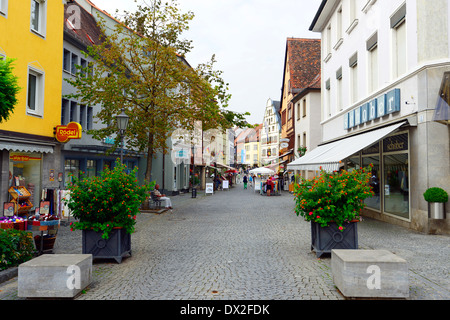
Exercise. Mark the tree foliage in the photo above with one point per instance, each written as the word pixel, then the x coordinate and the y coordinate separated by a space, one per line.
pixel 141 67
pixel 8 89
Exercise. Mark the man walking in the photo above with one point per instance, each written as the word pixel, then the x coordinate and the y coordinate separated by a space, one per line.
pixel 245 180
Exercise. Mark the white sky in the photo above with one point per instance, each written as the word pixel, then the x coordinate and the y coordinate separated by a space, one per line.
pixel 248 38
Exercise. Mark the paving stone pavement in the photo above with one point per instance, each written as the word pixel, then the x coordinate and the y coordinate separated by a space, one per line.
pixel 238 245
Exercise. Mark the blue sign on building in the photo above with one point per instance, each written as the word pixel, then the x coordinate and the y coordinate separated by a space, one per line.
pixel 383 105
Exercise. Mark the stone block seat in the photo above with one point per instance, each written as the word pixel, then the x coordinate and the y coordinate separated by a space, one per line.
pixel 55 276
pixel 369 273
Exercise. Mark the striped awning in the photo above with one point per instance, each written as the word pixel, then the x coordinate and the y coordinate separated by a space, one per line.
pixel 25 147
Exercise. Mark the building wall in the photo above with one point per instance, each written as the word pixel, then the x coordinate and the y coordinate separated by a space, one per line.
pixel 41 52
pixel 426 57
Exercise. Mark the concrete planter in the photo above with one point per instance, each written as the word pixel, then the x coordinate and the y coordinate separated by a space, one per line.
pixel 436 210
pixel 116 247
pixel 325 239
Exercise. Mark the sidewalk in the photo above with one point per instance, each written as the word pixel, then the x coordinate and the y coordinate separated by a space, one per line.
pixel 238 245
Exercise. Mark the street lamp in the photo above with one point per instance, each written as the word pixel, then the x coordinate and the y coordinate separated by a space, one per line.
pixel 122 124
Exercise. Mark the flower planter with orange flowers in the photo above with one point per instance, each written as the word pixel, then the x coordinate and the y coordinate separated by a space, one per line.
pixel 105 209
pixel 332 203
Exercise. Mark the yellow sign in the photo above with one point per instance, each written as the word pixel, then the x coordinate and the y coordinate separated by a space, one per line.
pixel 71 131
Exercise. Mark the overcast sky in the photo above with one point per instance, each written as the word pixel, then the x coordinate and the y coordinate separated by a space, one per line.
pixel 248 38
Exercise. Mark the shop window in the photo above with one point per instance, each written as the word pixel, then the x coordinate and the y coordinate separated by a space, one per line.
pixel 91 168
pixel 395 177
pixel 38 16
pixel 35 94
pixel 375 181
pixel 26 171
pixel 71 170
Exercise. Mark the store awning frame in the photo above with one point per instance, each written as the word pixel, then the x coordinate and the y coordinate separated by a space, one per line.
pixel 329 156
pixel 25 147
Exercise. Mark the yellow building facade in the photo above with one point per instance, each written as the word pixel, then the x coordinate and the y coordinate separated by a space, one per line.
pixel 31 33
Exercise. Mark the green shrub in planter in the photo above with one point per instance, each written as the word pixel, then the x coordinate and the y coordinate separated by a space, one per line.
pixel 16 247
pixel 106 202
pixel 436 195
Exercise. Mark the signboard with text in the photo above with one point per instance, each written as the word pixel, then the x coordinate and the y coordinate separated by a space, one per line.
pixel 70 131
pixel 381 106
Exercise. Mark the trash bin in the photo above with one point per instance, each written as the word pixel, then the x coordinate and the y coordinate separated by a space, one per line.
pixel 194 193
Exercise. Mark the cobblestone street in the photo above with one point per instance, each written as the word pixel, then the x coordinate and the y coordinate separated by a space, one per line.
pixel 237 245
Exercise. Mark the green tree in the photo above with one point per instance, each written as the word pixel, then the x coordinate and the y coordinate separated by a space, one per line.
pixel 8 89
pixel 141 67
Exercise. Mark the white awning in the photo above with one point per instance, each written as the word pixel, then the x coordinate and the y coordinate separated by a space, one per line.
pixel 25 147
pixel 328 156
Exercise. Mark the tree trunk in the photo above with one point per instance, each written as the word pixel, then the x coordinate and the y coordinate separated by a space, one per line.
pixel 148 173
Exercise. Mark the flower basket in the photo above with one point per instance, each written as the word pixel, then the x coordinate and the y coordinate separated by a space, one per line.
pixel 332 202
pixel 117 246
pixel 105 208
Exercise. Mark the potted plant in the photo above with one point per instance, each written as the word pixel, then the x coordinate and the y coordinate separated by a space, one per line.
pixel 436 197
pixel 105 208
pixel 332 202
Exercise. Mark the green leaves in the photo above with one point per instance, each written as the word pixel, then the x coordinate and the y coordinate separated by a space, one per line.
pixel 109 201
pixel 333 197
pixel 16 247
pixel 8 89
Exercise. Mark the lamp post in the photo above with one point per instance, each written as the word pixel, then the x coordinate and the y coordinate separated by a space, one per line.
pixel 122 124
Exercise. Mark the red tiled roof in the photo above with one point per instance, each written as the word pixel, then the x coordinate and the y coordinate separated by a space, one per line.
pixel 304 61
pixel 87 32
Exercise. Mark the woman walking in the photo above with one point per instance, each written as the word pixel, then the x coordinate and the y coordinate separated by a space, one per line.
pixel 245 180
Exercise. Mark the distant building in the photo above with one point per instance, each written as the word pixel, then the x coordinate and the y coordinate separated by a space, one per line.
pixel 301 65
pixel 270 133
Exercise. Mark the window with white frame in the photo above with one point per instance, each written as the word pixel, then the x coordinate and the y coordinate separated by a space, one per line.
pixel 372 48
pixel 35 92
pixel 353 64
pixel 327 98
pixel 38 16
pixel 3 7
pixel 399 47
pixel 339 105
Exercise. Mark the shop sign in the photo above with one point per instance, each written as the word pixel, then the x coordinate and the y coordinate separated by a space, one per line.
pixel 383 105
pixel 71 131
pixel 23 158
pixel 396 143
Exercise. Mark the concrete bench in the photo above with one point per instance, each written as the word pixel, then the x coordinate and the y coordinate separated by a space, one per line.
pixel 370 274
pixel 55 276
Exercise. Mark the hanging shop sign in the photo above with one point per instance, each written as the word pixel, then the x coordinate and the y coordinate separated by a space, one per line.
pixel 383 105
pixel 23 158
pixel 70 131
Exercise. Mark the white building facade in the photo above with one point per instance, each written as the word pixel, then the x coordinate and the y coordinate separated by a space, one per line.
pixel 385 74
pixel 270 133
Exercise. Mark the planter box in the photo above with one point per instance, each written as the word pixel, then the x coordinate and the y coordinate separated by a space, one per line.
pixel 116 247
pixel 325 239
pixel 436 210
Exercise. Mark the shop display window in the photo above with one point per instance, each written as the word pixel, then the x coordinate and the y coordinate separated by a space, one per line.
pixel 396 185
pixel 375 181
pixel 71 169
pixel 26 171
pixel 91 168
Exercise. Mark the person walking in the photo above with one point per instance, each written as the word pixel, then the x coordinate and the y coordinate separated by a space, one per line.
pixel 245 180
pixel 250 180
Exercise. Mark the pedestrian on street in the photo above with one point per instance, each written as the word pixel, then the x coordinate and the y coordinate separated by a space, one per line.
pixel 245 180
pixel 162 197
pixel 250 180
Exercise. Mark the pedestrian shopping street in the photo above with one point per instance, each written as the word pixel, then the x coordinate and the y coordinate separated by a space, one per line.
pixel 237 245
